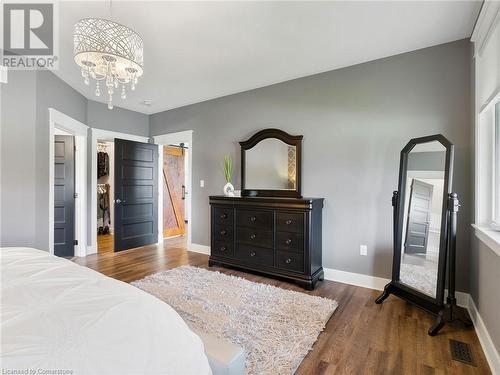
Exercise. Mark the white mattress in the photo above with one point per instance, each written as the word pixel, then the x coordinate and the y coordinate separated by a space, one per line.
pixel 57 315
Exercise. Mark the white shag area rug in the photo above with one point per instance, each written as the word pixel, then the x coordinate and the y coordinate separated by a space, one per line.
pixel 276 327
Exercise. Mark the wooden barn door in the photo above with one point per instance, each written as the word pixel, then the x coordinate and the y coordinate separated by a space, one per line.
pixel 173 191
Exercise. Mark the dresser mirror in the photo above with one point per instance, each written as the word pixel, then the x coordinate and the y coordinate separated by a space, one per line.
pixel 271 164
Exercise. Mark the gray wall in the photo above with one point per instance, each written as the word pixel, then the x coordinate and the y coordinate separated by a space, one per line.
pixel 25 148
pixel 51 92
pixel 118 120
pixel 25 152
pixel 17 160
pixel 354 121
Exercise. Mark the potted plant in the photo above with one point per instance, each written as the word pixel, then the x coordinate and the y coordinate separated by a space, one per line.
pixel 228 174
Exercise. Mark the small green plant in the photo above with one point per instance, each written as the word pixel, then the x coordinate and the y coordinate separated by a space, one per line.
pixel 228 168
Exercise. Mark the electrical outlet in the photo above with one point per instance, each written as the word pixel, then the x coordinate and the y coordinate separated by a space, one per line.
pixel 363 250
pixel 202 183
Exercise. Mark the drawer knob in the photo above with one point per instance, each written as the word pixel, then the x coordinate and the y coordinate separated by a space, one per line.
pixel 288 260
pixel 288 222
pixel 252 236
pixel 253 219
pixel 222 248
pixel 223 232
pixel 288 242
pixel 253 253
pixel 223 216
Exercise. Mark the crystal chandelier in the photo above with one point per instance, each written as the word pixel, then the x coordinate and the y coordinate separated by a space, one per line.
pixel 109 53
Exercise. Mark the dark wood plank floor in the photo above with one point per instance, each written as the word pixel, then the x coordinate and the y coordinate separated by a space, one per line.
pixel 360 338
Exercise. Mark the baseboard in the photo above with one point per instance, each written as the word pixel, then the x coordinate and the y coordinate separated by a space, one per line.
pixel 357 279
pixel 197 248
pixel 489 349
pixel 91 250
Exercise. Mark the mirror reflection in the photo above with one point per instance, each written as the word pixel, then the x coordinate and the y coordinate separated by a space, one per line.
pixel 271 165
pixel 421 232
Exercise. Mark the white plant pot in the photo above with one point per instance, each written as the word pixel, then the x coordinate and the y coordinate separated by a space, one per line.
pixel 229 190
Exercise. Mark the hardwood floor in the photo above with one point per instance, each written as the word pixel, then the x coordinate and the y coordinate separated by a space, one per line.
pixel 360 338
pixel 105 243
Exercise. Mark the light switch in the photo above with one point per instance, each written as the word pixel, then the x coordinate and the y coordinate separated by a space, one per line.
pixel 202 183
pixel 363 250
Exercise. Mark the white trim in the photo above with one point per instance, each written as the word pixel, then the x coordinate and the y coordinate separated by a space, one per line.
pixel 490 237
pixel 79 130
pixel 357 279
pixel 490 102
pixel 104 135
pixel 174 138
pixel 485 25
pixel 489 349
pixel 197 248
pixel 3 74
pixel 462 298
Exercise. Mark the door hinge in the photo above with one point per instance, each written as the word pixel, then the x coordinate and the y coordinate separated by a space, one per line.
pixel 75 242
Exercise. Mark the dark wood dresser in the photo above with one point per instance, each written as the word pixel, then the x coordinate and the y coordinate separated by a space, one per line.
pixel 276 236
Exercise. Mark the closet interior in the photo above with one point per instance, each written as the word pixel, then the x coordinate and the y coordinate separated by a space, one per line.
pixel 105 196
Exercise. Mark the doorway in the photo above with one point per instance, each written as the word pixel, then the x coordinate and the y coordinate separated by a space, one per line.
pixel 64 194
pixel 175 157
pixel 105 196
pixel 67 198
pixel 175 162
pixel 125 200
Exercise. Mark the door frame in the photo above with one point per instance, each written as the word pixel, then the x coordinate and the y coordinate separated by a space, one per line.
pixel 61 121
pixel 103 135
pixel 165 140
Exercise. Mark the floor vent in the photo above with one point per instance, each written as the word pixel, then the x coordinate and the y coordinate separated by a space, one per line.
pixel 461 351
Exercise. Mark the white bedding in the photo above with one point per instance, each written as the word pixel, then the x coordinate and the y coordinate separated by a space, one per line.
pixel 57 315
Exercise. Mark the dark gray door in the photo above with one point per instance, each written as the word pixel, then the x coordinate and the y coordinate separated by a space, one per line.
pixel 64 195
pixel 419 217
pixel 136 194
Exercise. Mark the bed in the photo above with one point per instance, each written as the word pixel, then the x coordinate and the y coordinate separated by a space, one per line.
pixel 59 316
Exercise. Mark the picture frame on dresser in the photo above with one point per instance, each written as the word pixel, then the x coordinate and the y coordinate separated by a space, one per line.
pixel 271 229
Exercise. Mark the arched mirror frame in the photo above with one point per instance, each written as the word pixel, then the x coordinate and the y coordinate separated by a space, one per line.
pixel 403 290
pixel 292 140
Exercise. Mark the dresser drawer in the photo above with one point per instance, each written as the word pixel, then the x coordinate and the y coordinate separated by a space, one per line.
pixel 254 236
pixel 290 222
pixel 223 215
pixel 254 254
pixel 223 233
pixel 255 219
pixel 290 241
pixel 223 248
pixel 290 261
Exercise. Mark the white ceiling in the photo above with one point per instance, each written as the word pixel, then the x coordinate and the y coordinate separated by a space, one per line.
pixel 195 51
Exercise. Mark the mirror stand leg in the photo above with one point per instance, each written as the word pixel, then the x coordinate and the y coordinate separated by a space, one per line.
pixel 440 321
pixel 387 291
pixel 448 314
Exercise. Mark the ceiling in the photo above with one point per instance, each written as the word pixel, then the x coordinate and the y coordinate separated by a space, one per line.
pixel 195 51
